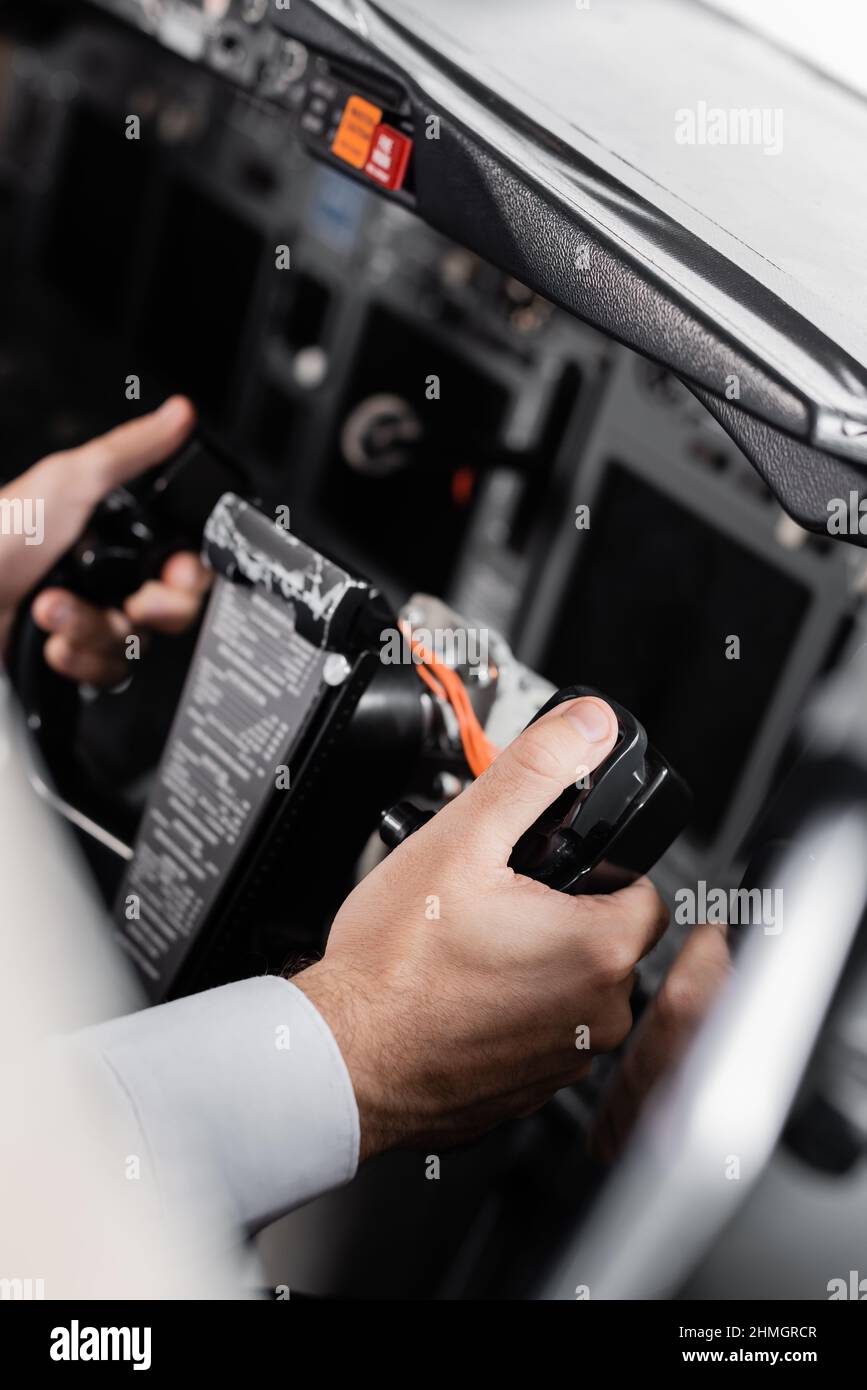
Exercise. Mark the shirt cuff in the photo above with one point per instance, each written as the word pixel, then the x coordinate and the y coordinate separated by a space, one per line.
pixel 242 1096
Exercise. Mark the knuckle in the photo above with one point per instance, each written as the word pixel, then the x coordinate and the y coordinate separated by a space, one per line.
pixel 678 1003
pixel 615 1027
pixel 533 756
pixel 56 653
pixel 642 912
pixel 663 915
pixel 658 908
pixel 648 906
pixel 616 958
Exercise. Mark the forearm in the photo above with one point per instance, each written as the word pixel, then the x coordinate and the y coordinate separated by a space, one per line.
pixel 240 1094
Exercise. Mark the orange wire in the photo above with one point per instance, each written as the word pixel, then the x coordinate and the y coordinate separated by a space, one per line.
pixel 446 684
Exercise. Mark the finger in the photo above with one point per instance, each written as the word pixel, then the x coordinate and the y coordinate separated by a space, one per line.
pixel 101 629
pixel 186 571
pixel 530 774
pixel 84 665
pixel 663 1036
pixel 162 608
pixel 691 986
pixel 128 450
pixel 636 915
pixel 172 604
pixel 52 501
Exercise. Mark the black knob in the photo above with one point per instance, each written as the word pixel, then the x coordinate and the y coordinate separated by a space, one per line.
pixel 401 821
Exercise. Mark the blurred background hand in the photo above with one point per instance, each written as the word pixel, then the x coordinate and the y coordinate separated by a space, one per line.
pixel 668 1026
pixel 87 643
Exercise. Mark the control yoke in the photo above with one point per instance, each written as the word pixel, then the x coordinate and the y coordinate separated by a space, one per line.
pixel 293 696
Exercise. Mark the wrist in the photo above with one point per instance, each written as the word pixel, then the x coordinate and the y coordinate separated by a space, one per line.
pixel 344 1002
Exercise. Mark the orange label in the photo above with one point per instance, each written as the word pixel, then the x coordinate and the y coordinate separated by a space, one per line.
pixel 355 136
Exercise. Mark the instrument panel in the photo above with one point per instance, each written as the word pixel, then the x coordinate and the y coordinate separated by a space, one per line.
pixel 424 415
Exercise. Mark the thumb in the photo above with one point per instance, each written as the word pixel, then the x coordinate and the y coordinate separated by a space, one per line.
pixel 96 468
pixel 63 489
pixel 530 774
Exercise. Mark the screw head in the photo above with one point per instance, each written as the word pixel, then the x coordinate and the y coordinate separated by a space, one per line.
pixel 336 669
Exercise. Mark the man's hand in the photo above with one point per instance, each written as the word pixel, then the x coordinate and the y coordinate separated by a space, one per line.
pixel 459 992
pixel 87 643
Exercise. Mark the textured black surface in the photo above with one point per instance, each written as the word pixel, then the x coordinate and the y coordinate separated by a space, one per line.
pixel 804 479
pixel 477 200
pixel 557 142
pixel 609 89
pixel 499 205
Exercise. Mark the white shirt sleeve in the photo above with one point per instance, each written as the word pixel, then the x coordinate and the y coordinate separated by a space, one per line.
pixel 241 1097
